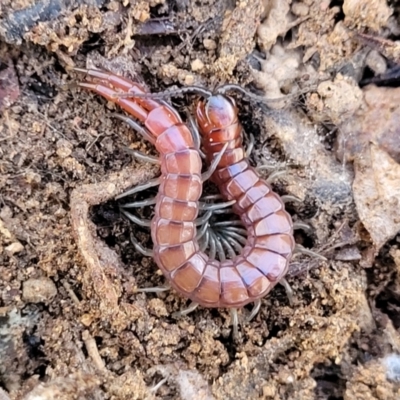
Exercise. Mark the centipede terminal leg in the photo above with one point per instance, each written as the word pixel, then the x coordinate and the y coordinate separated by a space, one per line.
pixel 185 311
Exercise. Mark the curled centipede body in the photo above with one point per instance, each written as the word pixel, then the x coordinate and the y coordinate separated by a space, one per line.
pixel 265 257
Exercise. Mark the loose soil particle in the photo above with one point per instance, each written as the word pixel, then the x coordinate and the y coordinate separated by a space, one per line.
pixel 85 332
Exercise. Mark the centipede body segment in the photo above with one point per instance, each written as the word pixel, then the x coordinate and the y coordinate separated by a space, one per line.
pixel 265 257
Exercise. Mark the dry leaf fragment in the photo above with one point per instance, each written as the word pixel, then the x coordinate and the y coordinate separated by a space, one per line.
pixel 377 194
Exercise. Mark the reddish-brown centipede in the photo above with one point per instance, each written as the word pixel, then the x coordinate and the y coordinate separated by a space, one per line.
pixel 265 257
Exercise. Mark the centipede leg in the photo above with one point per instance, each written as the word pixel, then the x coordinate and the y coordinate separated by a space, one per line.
pixel 185 311
pixel 205 241
pixel 155 289
pixel 203 219
pixel 218 246
pixel 136 126
pixel 275 175
pixel 289 290
pixel 235 322
pixel 214 164
pixel 140 248
pixel 216 206
pixel 139 188
pixel 141 203
pixel 301 249
pixel 143 157
pixel 228 247
pixel 302 226
pixel 195 134
pixel 159 384
pixel 255 310
pixel 213 247
pixel 287 198
pixel 250 147
pixel 202 231
pixel 234 243
pixel 141 222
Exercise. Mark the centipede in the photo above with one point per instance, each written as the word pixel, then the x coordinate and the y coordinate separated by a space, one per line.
pixel 264 260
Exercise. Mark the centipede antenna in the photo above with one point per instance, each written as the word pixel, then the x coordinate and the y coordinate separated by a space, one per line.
pixel 214 163
pixel 136 126
pixel 141 203
pixel 141 222
pixel 185 311
pixel 234 322
pixel 288 198
pixel 300 249
pixel 275 175
pixel 140 248
pixel 216 206
pixel 139 188
pixel 203 219
pixel 254 311
pixel 260 99
pixel 288 289
pixel 250 147
pixel 167 93
pixel 228 247
pixel 142 157
pixel 302 226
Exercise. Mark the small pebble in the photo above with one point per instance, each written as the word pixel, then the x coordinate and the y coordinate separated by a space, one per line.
pixel 209 44
pixel 197 65
pixel 38 290
pixel 14 248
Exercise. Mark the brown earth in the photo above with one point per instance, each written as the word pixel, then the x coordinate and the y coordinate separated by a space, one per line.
pixel 72 325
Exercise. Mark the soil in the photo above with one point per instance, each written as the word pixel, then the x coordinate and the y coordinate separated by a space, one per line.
pixel 72 324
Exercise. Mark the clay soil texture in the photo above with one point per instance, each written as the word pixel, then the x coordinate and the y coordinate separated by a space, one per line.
pixel 72 322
